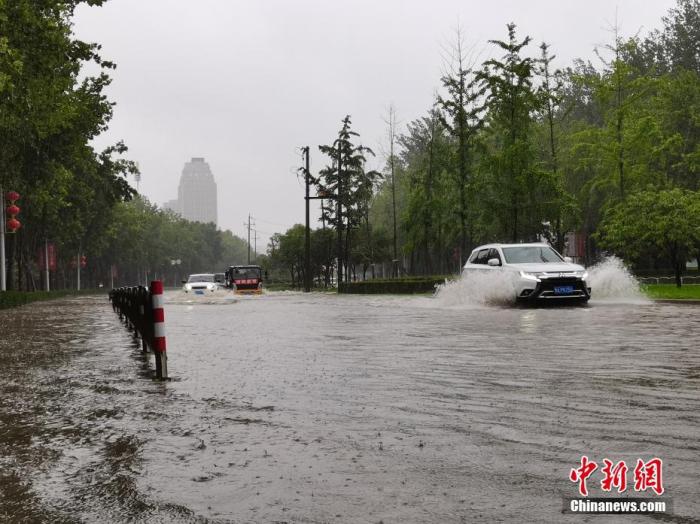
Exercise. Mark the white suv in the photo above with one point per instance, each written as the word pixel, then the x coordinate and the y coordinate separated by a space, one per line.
pixel 537 271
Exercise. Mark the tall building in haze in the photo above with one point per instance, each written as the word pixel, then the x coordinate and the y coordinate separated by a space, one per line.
pixel 196 195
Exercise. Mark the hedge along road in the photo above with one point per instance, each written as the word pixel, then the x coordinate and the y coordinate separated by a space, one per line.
pixel 316 408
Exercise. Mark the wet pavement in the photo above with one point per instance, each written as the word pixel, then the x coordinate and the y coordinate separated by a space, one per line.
pixel 325 408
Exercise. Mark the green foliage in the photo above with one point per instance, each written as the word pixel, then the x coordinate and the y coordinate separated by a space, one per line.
pixel 285 260
pixel 49 113
pixel 143 239
pixel 656 224
pixel 515 187
pixel 531 153
pixel 428 218
pixel 461 115
pixel 351 185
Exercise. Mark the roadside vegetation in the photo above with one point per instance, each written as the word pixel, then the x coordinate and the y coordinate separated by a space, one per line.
pixel 403 286
pixel 74 199
pixel 513 149
pixel 672 292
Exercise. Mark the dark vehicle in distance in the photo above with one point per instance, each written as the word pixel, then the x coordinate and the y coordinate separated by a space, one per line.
pixel 245 279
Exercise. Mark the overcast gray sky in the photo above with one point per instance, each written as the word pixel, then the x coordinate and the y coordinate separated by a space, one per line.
pixel 246 83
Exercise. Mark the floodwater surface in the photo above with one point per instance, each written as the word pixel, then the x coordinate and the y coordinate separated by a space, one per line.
pixel 324 408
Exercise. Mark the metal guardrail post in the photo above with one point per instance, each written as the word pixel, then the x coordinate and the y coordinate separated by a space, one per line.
pixel 159 345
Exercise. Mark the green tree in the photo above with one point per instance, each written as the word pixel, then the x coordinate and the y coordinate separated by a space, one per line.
pixel 550 91
pixel 351 184
pixel 49 112
pixel 658 224
pixel 510 162
pixel 426 155
pixel 462 116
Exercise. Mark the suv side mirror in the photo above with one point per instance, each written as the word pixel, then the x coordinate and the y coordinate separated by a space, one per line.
pixel 568 259
pixel 494 262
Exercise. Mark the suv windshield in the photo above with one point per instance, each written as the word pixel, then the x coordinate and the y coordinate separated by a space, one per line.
pixel 201 278
pixel 530 255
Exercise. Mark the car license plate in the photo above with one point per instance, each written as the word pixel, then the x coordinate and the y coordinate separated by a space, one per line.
pixel 199 292
pixel 563 290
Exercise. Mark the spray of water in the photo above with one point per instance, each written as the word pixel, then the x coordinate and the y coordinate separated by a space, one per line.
pixel 612 282
pixel 477 288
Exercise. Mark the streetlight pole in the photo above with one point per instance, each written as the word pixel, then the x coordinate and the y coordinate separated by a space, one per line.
pixel 46 263
pixel 80 248
pixel 3 271
pixel 339 216
pixel 307 231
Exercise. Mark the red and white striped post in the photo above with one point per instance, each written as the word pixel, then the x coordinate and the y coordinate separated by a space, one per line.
pixel 159 329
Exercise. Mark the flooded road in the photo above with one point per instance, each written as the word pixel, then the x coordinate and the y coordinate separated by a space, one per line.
pixel 326 408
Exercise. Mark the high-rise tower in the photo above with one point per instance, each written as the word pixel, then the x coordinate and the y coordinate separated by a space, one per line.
pixel 197 192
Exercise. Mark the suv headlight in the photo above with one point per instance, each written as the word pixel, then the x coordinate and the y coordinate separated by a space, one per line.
pixel 583 275
pixel 531 275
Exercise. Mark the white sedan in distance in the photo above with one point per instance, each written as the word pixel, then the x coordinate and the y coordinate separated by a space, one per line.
pixel 200 284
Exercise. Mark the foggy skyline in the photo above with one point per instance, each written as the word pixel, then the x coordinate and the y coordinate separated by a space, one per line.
pixel 246 84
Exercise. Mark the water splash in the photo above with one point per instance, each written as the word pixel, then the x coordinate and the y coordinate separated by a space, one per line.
pixel 477 288
pixel 188 299
pixel 611 281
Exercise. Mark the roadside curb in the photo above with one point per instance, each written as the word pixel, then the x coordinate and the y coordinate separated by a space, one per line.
pixel 686 301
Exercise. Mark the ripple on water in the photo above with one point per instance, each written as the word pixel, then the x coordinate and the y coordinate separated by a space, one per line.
pixel 304 407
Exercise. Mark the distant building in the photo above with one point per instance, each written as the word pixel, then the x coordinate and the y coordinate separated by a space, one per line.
pixel 196 195
pixel 172 205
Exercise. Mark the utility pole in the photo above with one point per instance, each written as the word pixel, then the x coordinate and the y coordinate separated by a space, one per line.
pixel 322 194
pixel 255 244
pixel 307 231
pixel 248 224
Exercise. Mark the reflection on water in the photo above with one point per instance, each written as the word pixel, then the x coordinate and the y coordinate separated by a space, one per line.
pixel 290 407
